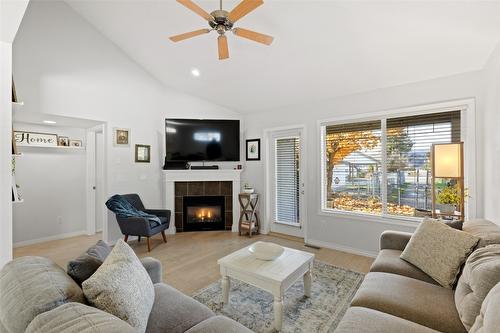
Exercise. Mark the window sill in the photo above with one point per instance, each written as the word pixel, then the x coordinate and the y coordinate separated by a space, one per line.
pixel 406 221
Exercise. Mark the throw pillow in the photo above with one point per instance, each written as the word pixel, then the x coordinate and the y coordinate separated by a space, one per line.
pixel 439 251
pixel 480 274
pixel 81 268
pixel 122 287
pixel 488 319
pixel 487 231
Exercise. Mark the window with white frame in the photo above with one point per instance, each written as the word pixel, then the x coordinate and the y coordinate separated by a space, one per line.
pixel 382 166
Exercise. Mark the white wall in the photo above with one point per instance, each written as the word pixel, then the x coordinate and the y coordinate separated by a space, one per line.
pixel 490 124
pixel 349 233
pixel 11 13
pixel 52 184
pixel 65 67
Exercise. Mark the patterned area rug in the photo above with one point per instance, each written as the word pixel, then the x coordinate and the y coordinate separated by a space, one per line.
pixel 332 291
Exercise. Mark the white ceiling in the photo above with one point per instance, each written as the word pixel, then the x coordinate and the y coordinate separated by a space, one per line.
pixel 322 49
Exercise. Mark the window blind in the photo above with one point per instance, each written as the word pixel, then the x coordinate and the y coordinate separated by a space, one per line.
pixel 409 142
pixel 353 166
pixel 287 179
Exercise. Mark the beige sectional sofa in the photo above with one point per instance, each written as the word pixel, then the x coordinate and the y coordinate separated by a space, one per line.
pixel 398 297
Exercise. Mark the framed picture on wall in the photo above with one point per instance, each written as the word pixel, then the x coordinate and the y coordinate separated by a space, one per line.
pixel 75 143
pixel 121 137
pixel 253 150
pixel 63 141
pixel 142 153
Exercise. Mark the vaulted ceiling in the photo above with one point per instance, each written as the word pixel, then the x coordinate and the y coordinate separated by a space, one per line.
pixel 322 49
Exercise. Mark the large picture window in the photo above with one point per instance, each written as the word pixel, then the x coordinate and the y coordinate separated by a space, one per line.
pixel 382 167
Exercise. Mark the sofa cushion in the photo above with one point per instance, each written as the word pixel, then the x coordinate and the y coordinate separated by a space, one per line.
pixel 421 302
pixel 78 318
pixel 175 312
pixel 389 261
pixel 488 319
pixel 122 287
pixel 219 324
pixel 487 231
pixel 81 268
pixel 439 251
pixel 365 320
pixel 30 286
pixel 480 274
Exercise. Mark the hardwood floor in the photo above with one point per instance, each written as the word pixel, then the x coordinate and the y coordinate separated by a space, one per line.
pixel 190 259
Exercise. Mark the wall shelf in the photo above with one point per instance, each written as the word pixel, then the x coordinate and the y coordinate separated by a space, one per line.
pixel 17 105
pixel 52 147
pixel 18 201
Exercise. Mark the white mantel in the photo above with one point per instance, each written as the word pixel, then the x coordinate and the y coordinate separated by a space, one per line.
pixel 172 176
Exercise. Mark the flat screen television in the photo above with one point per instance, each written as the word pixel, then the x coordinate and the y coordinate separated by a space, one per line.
pixel 192 140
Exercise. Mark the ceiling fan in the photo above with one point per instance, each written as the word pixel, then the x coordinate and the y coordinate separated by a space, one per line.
pixel 222 21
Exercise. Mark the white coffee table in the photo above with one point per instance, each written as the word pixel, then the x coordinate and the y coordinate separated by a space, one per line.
pixel 273 276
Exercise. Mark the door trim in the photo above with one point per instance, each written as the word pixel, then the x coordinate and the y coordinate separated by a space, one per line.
pixel 266 226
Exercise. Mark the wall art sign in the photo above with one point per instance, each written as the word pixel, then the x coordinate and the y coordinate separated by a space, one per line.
pixel 35 139
pixel 121 137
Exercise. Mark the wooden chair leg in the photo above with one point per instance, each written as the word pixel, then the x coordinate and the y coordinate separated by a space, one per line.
pixel 126 238
pixel 163 235
pixel 138 239
pixel 149 244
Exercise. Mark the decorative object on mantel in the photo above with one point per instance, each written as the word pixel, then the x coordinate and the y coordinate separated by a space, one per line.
pixel 266 251
pixel 63 141
pixel 23 138
pixel 14 145
pixel 142 153
pixel 248 189
pixel 253 150
pixel 447 163
pixel 249 219
pixel 121 137
pixel 75 143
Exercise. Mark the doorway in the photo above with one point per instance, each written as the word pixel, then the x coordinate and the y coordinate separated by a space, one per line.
pixel 286 174
pixel 96 184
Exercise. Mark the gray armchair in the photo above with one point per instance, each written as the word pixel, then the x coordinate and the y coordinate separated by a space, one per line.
pixel 140 226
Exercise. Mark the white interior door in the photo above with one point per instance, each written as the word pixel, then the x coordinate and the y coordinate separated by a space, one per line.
pixel 99 175
pixel 286 171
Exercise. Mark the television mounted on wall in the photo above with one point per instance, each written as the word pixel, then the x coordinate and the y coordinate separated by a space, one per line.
pixel 193 140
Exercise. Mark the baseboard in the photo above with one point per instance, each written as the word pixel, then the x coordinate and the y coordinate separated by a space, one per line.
pixel 50 238
pixel 342 248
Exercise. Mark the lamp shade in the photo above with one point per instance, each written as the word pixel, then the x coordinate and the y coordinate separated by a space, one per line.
pixel 447 160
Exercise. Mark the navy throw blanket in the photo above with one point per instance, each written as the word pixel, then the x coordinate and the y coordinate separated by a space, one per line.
pixel 122 208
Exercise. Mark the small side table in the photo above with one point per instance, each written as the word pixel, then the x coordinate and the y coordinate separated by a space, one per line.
pixel 249 219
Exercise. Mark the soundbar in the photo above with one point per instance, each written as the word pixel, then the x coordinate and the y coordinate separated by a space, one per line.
pixel 204 167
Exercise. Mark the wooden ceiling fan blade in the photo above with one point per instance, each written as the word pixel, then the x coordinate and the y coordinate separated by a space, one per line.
pixel 195 8
pixel 178 38
pixel 252 35
pixel 223 49
pixel 243 8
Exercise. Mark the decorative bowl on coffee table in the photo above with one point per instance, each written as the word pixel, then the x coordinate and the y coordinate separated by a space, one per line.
pixel 265 250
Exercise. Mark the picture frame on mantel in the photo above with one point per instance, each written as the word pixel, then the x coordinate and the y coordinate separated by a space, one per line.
pixel 121 137
pixel 253 150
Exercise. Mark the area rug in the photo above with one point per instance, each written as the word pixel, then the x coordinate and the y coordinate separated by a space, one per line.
pixel 332 291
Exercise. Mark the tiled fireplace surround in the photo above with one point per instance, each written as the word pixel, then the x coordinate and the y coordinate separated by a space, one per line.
pixel 200 182
pixel 203 188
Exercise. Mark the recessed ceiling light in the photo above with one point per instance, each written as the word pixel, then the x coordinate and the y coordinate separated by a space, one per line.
pixel 50 122
pixel 195 72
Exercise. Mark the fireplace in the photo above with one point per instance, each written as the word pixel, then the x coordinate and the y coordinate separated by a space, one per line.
pixel 203 213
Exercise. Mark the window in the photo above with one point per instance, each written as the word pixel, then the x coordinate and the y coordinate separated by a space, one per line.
pixel 287 180
pixel 382 167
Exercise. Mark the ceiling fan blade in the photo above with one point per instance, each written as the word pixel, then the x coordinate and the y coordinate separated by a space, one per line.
pixel 252 35
pixel 197 9
pixel 178 38
pixel 223 49
pixel 243 8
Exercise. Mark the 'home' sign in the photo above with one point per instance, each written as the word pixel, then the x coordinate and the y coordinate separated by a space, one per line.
pixel 35 139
